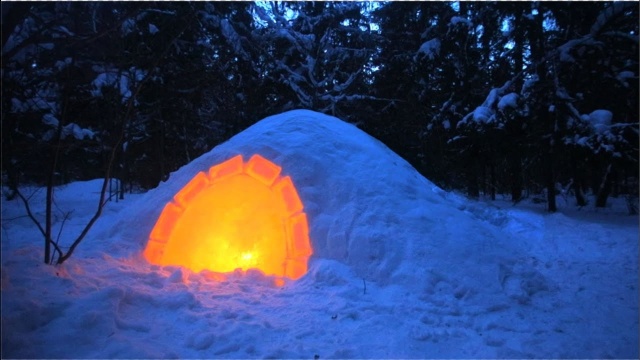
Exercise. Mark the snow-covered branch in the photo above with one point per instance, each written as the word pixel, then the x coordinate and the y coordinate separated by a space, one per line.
pixel 233 38
pixel 607 15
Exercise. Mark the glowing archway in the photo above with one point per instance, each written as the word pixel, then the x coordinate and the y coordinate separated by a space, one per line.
pixel 238 215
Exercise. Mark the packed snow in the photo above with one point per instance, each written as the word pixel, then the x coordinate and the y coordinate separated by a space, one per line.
pixel 430 49
pixel 401 269
pixel 455 20
pixel 510 100
pixel 486 113
pixel 153 29
pixel 71 129
pixel 121 80
pixel 600 120
pixel 483 114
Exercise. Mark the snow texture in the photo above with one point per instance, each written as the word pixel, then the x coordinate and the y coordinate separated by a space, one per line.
pixel 401 269
pixel 509 100
pixel 601 120
pixel 486 113
pixel 233 38
pixel 460 20
pixel 20 34
pixel 49 119
pixel 102 80
pixel 115 78
pixel 71 129
pixel 483 114
pixel 430 49
pixel 624 76
pixel 153 29
pixel 43 100
pixel 608 14
pixel 528 85
pixel 598 133
pixel 128 26
pixel 60 65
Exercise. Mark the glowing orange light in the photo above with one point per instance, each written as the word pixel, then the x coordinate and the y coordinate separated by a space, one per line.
pixel 237 216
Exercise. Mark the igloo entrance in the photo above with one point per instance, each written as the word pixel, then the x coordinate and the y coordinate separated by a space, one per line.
pixel 236 216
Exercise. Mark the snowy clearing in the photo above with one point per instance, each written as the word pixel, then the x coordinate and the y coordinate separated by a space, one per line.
pixel 401 269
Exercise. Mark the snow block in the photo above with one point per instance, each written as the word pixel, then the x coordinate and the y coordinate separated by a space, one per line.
pixel 154 250
pixel 191 190
pixel 295 268
pixel 166 221
pixel 297 229
pixel 233 166
pixel 288 192
pixel 262 170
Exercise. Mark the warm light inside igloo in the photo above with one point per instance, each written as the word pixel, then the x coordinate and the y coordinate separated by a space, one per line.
pixel 237 216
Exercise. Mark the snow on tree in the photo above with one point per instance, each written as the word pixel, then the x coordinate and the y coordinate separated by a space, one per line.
pixel 319 55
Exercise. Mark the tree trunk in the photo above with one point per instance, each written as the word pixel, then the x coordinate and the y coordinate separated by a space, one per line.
pixel 605 188
pixel 615 184
pixel 47 226
pixel 492 170
pixel 518 54
pixel 50 183
pixel 124 174
pixel 472 179
pixel 578 183
pixel 516 177
pixel 550 158
pixel 514 158
pixel 7 157
pixel 472 186
pixel 551 184
pixel 546 120
pixel 483 179
pixel 581 199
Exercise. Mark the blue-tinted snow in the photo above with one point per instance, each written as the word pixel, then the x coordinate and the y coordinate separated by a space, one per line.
pixel 509 100
pixel 444 276
pixel 601 120
pixel 430 49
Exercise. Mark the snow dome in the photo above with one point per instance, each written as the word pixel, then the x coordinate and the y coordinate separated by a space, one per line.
pixel 360 203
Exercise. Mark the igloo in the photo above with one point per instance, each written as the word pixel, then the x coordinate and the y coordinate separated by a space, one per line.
pixel 351 200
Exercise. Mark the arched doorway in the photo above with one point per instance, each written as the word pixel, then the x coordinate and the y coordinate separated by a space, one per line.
pixel 237 215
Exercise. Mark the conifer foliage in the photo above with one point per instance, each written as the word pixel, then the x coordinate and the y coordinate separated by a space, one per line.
pixel 513 98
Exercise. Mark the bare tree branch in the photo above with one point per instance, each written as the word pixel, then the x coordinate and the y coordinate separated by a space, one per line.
pixel 112 156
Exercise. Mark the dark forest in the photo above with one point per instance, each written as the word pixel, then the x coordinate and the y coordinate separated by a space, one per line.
pixel 514 99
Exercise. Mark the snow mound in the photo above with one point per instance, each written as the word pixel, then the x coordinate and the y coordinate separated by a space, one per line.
pixel 365 204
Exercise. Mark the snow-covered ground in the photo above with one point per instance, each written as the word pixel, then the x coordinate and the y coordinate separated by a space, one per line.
pixel 401 269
